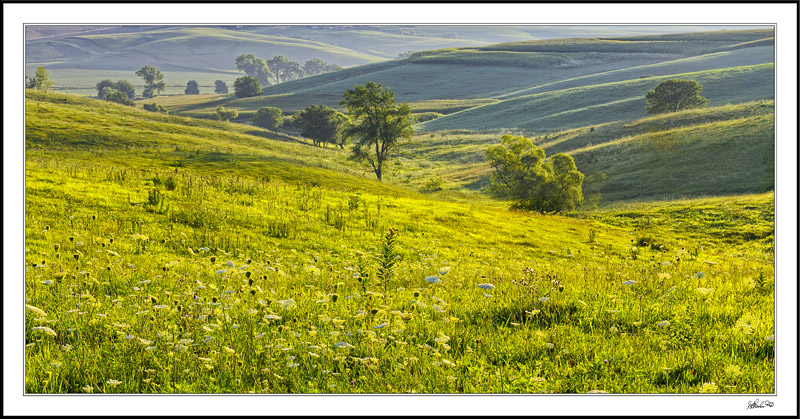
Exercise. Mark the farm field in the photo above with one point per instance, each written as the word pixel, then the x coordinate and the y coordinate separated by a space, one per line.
pixel 536 230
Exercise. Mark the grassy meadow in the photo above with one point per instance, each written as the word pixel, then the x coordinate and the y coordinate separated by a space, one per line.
pixel 167 254
pixel 174 253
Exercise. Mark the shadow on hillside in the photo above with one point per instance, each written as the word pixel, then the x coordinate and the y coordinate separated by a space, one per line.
pixel 278 137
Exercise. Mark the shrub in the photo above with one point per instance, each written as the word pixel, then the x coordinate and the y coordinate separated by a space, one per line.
pixel 246 86
pixel 154 107
pixel 268 117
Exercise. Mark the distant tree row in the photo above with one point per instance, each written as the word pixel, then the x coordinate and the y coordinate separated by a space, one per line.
pixel 279 69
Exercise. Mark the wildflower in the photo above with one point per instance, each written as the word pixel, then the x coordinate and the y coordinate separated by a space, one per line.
pixel 532 312
pixel 343 345
pixel 229 264
pixel 287 303
pixel 733 371
pixel 229 350
pixel 629 282
pixel 664 275
pixel 613 329
pixel 704 292
pixel 433 279
pixel 444 271
pixel 664 323
pixel 87 389
pixel 45 330
pixel 381 326
pixel 272 317
pixel 549 346
pixel 221 271
pixel 113 382
pixel 770 337
pixel 544 299
pixel 486 286
pixel 700 274
pixel 487 295
pixel 709 388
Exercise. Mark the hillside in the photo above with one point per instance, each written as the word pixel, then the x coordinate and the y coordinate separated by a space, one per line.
pixel 704 152
pixel 220 258
pixel 596 104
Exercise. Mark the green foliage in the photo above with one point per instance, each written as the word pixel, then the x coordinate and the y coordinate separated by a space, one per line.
pixel 378 123
pixel 192 88
pixel 316 66
pixel 675 95
pixel 154 107
pixel 153 81
pixel 119 97
pixel 283 69
pixel 268 117
pixel 40 81
pixel 246 86
pixel 534 183
pixel 220 87
pixel 254 67
pixel 323 124
pixel 388 257
pixel 105 86
pixel 223 114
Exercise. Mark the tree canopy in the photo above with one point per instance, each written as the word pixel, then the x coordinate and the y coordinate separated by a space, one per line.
pixel 378 123
pixel 246 86
pixel 220 87
pixel 192 88
pixel 40 81
pixel 254 67
pixel 316 66
pixel 153 81
pixel 284 69
pixel 268 117
pixel 675 95
pixel 225 114
pixel 119 97
pixel 322 124
pixel 535 183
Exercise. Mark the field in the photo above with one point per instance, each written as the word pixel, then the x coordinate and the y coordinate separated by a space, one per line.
pixel 176 253
pixel 167 254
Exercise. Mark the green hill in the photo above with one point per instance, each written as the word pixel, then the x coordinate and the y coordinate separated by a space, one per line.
pixel 596 104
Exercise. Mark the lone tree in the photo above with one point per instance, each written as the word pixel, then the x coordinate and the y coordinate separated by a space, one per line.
pixel 535 183
pixel 246 86
pixel 192 88
pixel 284 69
pixel 322 124
pixel 220 87
pixel 254 67
pixel 153 81
pixel 675 95
pixel 122 86
pixel 40 81
pixel 268 117
pixel 225 114
pixel 379 122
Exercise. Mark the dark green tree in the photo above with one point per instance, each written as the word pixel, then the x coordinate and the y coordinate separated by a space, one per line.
pixel 284 69
pixel 220 87
pixel 40 81
pixel 535 183
pixel 154 107
pixel 192 88
pixel 322 124
pixel 121 85
pixel 153 81
pixel 268 117
pixel 225 114
pixel 254 67
pixel 675 95
pixel 246 86
pixel 119 97
pixel 378 123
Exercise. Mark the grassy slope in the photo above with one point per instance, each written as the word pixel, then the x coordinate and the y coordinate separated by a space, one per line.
pixel 136 282
pixel 712 151
pixel 596 104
